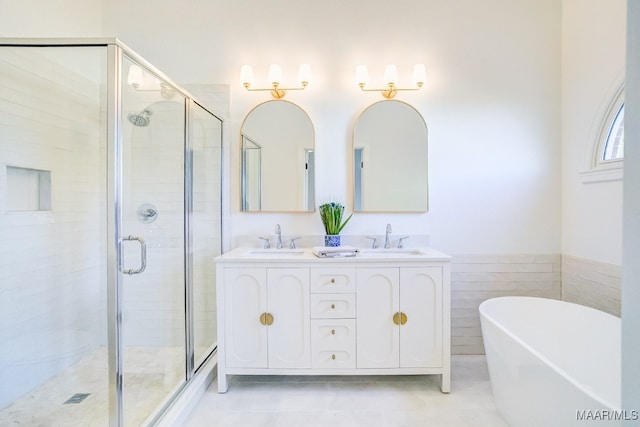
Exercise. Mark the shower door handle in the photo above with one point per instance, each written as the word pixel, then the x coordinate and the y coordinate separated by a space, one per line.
pixel 143 255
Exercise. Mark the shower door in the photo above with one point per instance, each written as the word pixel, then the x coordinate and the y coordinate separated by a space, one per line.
pixel 152 244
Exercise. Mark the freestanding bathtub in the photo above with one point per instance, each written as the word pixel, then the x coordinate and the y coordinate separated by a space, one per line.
pixel 552 363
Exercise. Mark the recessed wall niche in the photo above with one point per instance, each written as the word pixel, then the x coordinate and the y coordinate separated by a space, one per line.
pixel 28 189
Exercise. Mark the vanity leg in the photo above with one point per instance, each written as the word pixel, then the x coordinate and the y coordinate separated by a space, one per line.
pixel 445 381
pixel 223 384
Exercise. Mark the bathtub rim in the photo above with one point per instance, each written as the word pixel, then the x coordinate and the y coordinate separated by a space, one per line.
pixel 587 390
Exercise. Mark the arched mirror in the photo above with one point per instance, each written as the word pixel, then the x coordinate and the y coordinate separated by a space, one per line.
pixel 390 159
pixel 277 171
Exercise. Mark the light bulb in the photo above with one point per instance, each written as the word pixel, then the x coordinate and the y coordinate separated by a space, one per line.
pixel 362 75
pixel 304 75
pixel 419 74
pixel 134 76
pixel 275 74
pixel 390 75
pixel 246 75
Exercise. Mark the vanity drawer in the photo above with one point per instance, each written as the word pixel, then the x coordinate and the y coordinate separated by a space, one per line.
pixel 333 343
pixel 333 280
pixel 333 306
pixel 333 334
pixel 333 359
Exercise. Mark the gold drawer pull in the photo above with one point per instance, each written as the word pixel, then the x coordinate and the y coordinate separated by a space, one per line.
pixel 333 332
pixel 333 306
pixel 333 280
pixel 333 357
pixel 266 319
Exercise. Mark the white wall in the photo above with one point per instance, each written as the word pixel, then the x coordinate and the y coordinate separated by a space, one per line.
pixel 593 61
pixel 491 101
pixel 55 18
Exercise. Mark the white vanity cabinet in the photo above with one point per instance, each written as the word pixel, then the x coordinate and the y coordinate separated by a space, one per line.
pixel 399 317
pixel 267 318
pixel 282 313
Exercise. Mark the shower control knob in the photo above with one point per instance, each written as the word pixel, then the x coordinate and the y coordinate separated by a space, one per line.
pixel 147 213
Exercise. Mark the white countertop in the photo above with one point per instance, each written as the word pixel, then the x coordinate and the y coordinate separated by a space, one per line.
pixel 305 255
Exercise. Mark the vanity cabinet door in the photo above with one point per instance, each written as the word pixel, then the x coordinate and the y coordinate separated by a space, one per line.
pixel 421 304
pixel 290 330
pixel 267 318
pixel 245 300
pixel 378 301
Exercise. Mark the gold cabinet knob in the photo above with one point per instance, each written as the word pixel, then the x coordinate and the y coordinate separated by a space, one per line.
pixel 333 306
pixel 333 357
pixel 333 332
pixel 399 318
pixel 333 280
pixel 266 319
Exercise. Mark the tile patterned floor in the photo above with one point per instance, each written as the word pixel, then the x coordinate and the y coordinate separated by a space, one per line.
pixel 379 401
pixel 150 375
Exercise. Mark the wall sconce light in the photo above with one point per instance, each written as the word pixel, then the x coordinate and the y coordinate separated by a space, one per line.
pixel 275 78
pixel 142 81
pixel 135 78
pixel 390 79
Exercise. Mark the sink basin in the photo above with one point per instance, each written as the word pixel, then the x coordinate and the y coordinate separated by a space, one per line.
pixel 276 253
pixel 391 253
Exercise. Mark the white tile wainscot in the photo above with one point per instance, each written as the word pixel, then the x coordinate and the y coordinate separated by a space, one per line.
pixel 478 277
pixel 288 312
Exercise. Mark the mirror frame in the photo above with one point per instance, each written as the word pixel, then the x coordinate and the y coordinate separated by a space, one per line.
pixel 241 168
pixel 352 159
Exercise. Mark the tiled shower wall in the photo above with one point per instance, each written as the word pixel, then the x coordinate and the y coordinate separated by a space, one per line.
pixel 475 278
pixel 51 292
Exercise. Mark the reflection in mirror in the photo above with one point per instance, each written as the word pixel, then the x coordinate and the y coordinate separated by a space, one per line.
pixel 251 163
pixel 390 159
pixel 277 171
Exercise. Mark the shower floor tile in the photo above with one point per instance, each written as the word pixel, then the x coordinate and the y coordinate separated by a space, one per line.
pixel 149 377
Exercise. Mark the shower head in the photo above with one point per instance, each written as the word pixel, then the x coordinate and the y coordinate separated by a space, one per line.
pixel 141 119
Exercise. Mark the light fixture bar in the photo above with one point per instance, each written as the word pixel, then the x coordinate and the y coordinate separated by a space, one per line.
pixel 390 79
pixel 275 77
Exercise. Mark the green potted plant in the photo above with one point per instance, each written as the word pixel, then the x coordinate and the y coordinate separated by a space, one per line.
pixel 331 215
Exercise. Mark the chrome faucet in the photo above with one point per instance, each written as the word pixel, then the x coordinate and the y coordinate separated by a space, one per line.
pixel 267 245
pixel 292 244
pixel 387 244
pixel 278 237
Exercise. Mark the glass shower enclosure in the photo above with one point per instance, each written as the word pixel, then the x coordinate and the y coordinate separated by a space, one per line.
pixel 110 217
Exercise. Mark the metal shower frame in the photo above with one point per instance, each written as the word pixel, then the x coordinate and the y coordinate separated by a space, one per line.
pixel 115 51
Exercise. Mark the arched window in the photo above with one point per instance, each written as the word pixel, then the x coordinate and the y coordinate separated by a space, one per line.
pixel 608 148
pixel 614 141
